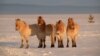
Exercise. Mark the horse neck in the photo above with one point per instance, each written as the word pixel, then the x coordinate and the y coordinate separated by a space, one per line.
pixel 24 26
pixel 71 26
pixel 60 26
pixel 43 27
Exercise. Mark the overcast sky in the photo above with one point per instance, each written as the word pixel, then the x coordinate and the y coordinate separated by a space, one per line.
pixel 54 2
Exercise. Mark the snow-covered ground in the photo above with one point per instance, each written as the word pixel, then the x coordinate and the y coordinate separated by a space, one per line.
pixel 88 42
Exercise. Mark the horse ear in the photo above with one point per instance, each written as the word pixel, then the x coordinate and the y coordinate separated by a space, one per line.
pixel 17 19
pixel 40 17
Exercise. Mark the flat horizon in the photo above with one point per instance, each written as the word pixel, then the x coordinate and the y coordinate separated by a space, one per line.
pixel 30 9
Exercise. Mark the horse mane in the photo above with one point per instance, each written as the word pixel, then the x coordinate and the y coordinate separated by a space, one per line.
pixel 18 19
pixel 71 23
pixel 60 26
pixel 25 23
pixel 41 23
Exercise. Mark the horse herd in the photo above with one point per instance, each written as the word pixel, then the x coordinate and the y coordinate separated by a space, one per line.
pixel 41 30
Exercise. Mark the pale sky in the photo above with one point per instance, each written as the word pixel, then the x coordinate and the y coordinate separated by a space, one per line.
pixel 54 2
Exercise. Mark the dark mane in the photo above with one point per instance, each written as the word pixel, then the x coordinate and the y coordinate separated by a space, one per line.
pixel 60 25
pixel 41 23
pixel 70 23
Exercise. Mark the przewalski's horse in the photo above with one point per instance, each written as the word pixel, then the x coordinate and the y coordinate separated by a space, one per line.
pixel 42 32
pixel 60 33
pixel 24 31
pixel 91 19
pixel 45 30
pixel 72 32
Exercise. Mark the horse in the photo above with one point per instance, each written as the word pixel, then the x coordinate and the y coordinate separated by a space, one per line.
pixel 42 32
pixel 25 32
pixel 91 19
pixel 45 30
pixel 60 32
pixel 72 32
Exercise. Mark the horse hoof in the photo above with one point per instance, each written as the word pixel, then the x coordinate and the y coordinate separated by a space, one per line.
pixel 27 47
pixel 61 46
pixel 40 46
pixel 74 46
pixel 44 46
pixel 52 46
pixel 67 46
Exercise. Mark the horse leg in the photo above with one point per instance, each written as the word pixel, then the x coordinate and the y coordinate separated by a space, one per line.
pixel 44 43
pixel 27 44
pixel 67 42
pixel 22 43
pixel 73 43
pixel 61 42
pixel 52 41
pixel 40 43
